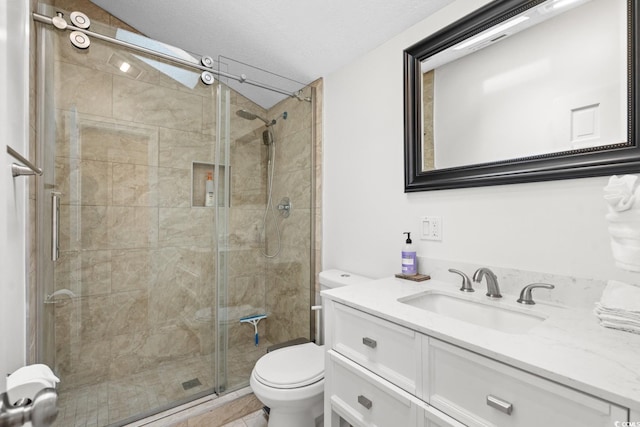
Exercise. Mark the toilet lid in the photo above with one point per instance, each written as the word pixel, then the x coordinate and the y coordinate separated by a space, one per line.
pixel 291 367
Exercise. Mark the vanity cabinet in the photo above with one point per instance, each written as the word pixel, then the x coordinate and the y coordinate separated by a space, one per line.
pixel 378 373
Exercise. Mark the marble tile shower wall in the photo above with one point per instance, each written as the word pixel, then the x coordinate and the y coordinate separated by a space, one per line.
pixel 134 250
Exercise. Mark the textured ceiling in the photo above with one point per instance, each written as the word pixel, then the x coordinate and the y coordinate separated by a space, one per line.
pixel 297 39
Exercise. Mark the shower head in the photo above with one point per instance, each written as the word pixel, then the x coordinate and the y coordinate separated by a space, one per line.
pixel 248 115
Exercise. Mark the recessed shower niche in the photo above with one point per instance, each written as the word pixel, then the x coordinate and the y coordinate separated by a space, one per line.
pixel 200 174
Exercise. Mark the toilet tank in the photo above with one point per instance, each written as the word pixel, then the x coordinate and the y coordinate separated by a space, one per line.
pixel 331 279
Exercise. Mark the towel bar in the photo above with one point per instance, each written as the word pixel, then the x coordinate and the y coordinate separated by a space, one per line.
pixel 19 170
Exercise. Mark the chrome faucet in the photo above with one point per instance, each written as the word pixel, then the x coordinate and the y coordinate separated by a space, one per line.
pixel 493 290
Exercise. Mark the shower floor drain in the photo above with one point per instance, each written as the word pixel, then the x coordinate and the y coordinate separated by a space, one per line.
pixel 191 384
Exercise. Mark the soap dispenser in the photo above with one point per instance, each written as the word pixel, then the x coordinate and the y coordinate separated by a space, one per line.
pixel 409 260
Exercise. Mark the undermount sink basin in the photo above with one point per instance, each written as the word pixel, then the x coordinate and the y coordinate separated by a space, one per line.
pixel 475 312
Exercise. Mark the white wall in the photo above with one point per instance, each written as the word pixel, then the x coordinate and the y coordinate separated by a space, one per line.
pixel 556 227
pixel 14 125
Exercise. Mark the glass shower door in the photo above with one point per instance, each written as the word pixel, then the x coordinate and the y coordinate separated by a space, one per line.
pixel 129 141
pixel 264 257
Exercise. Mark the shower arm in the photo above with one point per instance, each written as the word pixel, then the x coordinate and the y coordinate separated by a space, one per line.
pixel 242 79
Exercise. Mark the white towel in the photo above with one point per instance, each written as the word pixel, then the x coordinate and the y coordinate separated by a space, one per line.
pixel 36 371
pixel 617 316
pixel 620 192
pixel 615 319
pixel 626 328
pixel 626 256
pixel 619 307
pixel 621 296
pixel 29 380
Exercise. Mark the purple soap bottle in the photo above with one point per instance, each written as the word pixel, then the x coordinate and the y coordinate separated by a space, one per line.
pixel 409 260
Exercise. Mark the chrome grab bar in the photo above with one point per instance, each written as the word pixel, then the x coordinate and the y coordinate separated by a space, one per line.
pixel 27 168
pixel 55 225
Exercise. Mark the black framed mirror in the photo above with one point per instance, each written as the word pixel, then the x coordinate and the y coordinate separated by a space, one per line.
pixel 593 128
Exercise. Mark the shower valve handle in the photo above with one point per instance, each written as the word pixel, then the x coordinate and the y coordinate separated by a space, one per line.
pixel 285 207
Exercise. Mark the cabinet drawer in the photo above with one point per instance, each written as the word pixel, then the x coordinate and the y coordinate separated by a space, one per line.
pixel 389 350
pixel 478 391
pixel 363 399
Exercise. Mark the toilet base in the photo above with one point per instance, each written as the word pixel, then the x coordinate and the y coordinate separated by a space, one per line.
pixel 291 407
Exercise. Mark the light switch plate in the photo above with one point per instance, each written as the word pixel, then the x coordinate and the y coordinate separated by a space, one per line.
pixel 431 228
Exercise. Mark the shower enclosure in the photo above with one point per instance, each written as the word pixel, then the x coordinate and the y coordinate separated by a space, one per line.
pixel 140 285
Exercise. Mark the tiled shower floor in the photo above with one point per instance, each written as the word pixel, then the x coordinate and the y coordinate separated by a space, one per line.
pixel 112 401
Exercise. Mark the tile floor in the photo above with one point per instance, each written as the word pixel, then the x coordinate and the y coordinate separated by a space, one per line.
pixel 113 401
pixel 239 411
pixel 258 419
pixel 255 419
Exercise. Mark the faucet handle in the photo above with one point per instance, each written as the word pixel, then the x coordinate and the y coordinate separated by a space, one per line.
pixel 466 282
pixel 525 294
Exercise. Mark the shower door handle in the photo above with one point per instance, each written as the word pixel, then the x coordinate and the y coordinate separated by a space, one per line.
pixel 55 225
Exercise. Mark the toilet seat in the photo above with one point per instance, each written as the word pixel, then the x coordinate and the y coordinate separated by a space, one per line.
pixel 291 367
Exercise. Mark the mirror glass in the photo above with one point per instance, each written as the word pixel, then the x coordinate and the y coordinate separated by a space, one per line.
pixel 551 79
pixel 522 90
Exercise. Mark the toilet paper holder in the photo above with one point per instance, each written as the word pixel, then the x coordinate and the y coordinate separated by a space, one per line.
pixel 42 411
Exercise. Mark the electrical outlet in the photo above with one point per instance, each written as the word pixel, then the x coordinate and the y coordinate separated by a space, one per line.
pixel 431 228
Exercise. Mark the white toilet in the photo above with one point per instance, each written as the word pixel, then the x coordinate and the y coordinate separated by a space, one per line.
pixel 290 380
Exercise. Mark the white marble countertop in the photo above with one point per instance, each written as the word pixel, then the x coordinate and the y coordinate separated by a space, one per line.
pixel 569 347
